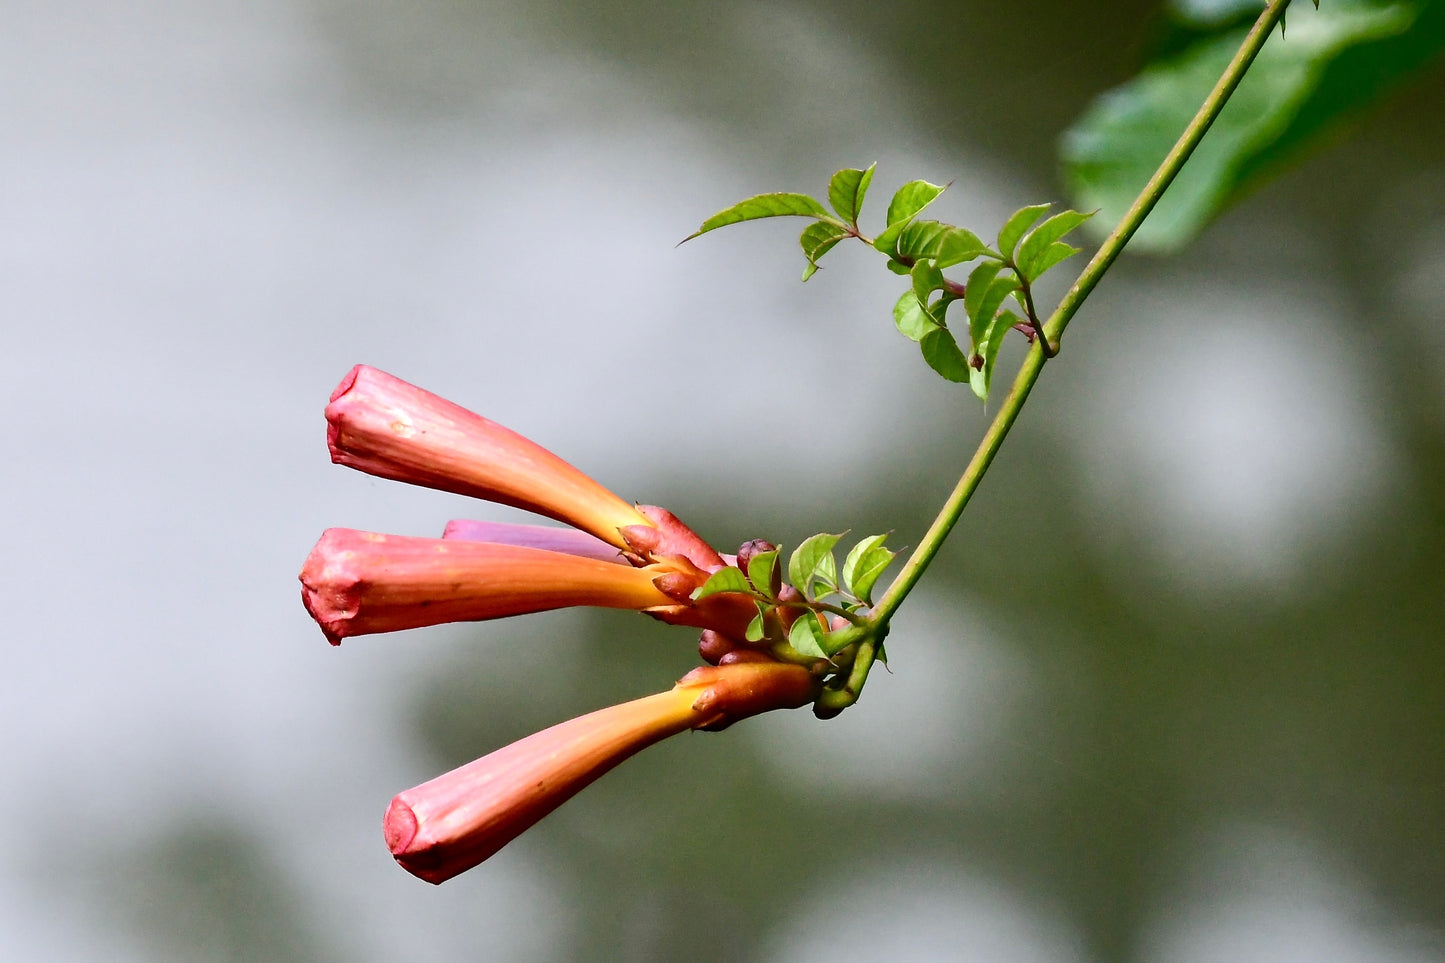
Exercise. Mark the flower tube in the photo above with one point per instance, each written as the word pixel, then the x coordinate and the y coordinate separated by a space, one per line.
pixel 552 539
pixel 384 426
pixel 355 583
pixel 457 820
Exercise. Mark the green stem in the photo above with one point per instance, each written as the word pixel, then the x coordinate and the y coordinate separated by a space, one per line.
pixel 1033 364
pixel 836 700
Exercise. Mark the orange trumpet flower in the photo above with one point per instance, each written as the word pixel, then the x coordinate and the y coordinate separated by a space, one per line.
pixel 355 583
pixel 457 820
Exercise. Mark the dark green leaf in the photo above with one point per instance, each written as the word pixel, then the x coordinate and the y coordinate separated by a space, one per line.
pixel 1013 229
pixel 1035 245
pixel 942 354
pixel 816 240
pixel 910 318
pixel 760 571
pixel 958 246
pixel 726 579
pixel 1334 63
pixel 813 559
pixel 806 636
pixel 920 239
pixel 865 562
pixel 764 205
pixel 846 192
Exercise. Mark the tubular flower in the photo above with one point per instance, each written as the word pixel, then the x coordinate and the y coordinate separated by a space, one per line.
pixel 356 583
pixel 384 426
pixel 618 555
pixel 567 540
pixel 457 820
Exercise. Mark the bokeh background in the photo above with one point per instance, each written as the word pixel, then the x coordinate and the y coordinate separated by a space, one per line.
pixel 1172 692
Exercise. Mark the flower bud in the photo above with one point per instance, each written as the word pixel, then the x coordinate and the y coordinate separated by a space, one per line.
pixel 455 821
pixel 384 426
pixel 355 583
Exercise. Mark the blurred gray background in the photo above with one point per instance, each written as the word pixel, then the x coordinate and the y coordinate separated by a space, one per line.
pixel 1172 692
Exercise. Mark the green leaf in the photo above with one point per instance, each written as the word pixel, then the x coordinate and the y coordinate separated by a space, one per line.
pixel 764 205
pixel 755 630
pixel 920 239
pixel 980 378
pixel 926 280
pixel 761 568
pixel 911 320
pixel 846 192
pixel 813 559
pixel 911 198
pixel 1052 255
pixel 1333 64
pixel 976 290
pixel 1035 245
pixel 1013 229
pixel 806 636
pixel 898 267
pixel 987 306
pixel 725 579
pixel 865 562
pixel 958 246
pixel 816 240
pixel 941 352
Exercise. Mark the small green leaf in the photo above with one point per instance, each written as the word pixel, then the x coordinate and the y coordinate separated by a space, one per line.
pixel 1013 229
pixel 910 318
pixel 755 630
pixel 764 205
pixel 898 267
pixel 987 306
pixel 958 246
pixel 865 562
pixel 977 288
pixel 920 239
pixel 1036 245
pixel 813 559
pixel 941 352
pixel 806 636
pixel 926 280
pixel 981 378
pixel 847 189
pixel 1053 254
pixel 816 240
pixel 760 571
pixel 911 198
pixel 726 579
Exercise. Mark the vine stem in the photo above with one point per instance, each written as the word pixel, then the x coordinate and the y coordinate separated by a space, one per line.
pixel 1053 329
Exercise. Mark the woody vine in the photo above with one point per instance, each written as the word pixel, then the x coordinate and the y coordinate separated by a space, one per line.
pixel 779 629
